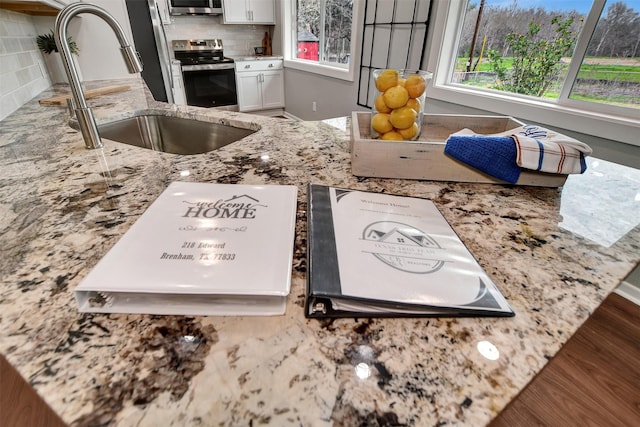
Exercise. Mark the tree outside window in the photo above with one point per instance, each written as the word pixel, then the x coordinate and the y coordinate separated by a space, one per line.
pixel 324 30
pixel 610 72
pixel 521 47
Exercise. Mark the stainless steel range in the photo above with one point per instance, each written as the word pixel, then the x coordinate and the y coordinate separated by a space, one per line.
pixel 209 76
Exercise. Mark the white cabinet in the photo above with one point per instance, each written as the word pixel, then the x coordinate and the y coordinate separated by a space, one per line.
pixel 260 84
pixel 249 12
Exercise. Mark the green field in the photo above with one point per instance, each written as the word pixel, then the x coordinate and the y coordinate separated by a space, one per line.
pixel 624 73
pixel 605 80
pixel 604 69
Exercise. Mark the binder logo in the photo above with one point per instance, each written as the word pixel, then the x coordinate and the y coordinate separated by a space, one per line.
pixel 237 207
pixel 404 247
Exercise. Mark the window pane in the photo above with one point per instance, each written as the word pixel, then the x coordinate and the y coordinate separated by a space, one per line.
pixel 308 17
pixel 337 31
pixel 324 30
pixel 610 73
pixel 519 46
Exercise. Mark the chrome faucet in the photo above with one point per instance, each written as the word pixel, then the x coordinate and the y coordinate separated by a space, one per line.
pixel 86 120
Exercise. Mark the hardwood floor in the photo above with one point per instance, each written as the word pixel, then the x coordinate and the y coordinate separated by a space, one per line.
pixel 20 405
pixel 593 381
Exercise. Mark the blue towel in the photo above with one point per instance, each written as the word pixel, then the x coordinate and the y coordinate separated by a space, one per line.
pixel 493 155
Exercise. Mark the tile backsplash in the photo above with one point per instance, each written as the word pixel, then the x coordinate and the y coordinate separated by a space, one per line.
pixel 23 73
pixel 237 40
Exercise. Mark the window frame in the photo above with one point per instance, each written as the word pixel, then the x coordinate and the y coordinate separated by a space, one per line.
pixel 614 123
pixel 338 71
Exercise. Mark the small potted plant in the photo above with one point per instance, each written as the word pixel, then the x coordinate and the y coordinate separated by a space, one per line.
pixel 47 44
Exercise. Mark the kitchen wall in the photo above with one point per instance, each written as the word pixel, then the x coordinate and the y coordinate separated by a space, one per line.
pixel 23 73
pixel 100 57
pixel 332 97
pixel 237 40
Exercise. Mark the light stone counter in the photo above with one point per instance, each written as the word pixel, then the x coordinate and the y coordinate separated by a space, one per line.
pixel 554 253
pixel 257 58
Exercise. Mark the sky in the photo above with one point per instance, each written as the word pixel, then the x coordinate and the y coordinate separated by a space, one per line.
pixel 581 6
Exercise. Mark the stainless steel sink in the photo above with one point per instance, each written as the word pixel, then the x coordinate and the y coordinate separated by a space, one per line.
pixel 172 134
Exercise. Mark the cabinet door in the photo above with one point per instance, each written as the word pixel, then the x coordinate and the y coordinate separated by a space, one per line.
pixel 262 11
pixel 249 91
pixel 235 12
pixel 272 89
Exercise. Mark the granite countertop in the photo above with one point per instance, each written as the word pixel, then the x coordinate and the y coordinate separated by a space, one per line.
pixel 257 58
pixel 555 253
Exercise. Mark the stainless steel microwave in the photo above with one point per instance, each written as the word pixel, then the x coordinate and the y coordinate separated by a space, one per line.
pixel 195 7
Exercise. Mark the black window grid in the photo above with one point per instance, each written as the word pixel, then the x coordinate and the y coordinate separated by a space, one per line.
pixel 393 38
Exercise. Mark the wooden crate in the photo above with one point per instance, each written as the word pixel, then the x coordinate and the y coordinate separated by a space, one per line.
pixel 424 159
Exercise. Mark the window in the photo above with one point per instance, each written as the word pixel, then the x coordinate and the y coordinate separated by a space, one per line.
pixel 394 36
pixel 320 36
pixel 610 71
pixel 324 30
pixel 592 86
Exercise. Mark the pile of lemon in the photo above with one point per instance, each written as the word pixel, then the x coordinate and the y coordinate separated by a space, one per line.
pixel 397 105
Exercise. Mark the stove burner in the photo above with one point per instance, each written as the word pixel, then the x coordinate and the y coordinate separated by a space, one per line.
pixel 198 52
pixel 202 59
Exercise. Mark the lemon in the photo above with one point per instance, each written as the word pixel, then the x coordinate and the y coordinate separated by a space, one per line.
pixel 386 80
pixel 392 136
pixel 403 118
pixel 381 107
pixel 414 103
pixel 396 97
pixel 380 123
pixel 409 132
pixel 401 81
pixel 415 86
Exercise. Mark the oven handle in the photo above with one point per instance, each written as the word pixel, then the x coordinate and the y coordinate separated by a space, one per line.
pixel 207 67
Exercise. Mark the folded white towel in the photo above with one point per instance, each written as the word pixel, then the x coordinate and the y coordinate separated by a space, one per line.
pixel 543 150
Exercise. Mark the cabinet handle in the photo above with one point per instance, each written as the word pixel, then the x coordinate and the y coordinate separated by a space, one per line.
pixel 251 14
pixel 247 66
pixel 270 65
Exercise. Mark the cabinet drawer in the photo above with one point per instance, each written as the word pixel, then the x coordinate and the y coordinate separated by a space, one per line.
pixel 261 65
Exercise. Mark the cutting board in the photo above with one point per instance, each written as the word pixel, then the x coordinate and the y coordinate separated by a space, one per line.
pixel 92 93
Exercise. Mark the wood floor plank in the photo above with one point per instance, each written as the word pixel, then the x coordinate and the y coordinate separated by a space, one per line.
pixel 20 405
pixel 593 381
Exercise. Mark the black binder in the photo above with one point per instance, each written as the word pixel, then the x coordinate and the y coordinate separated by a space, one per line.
pixel 379 255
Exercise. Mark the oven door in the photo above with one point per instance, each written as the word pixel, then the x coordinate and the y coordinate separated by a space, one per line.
pixel 210 85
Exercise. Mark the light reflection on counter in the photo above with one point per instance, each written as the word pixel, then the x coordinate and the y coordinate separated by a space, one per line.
pixel 188 338
pixel 488 350
pixel 364 357
pixel 363 371
pixel 338 123
pixel 603 204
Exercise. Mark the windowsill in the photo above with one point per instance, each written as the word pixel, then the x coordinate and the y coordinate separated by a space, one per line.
pixel 622 129
pixel 316 68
